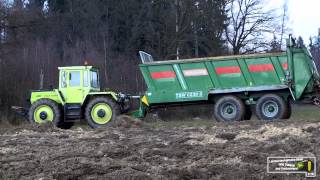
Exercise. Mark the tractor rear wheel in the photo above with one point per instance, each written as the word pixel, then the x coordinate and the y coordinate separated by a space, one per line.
pixel 45 111
pixel 271 107
pixel 229 108
pixel 101 112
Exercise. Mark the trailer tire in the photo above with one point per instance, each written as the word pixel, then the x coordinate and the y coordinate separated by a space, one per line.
pixel 289 111
pixel 44 111
pixel 109 111
pixel 229 108
pixel 271 107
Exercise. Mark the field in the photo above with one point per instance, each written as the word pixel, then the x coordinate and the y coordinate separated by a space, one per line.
pixel 194 148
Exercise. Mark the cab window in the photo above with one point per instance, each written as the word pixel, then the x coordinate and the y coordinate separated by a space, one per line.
pixel 63 79
pixel 74 78
pixel 94 79
pixel 85 79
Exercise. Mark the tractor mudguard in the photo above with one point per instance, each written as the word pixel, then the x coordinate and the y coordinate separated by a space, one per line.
pixel 110 93
pixel 53 95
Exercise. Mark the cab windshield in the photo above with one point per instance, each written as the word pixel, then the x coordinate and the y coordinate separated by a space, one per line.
pixel 94 79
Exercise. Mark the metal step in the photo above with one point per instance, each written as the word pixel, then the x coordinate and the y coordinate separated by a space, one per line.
pixel 72 112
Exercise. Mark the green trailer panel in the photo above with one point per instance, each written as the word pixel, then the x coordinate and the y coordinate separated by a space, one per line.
pixel 195 79
pixel 202 80
pixel 192 80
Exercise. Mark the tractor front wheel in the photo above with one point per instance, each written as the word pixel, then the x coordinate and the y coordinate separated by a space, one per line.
pixel 101 112
pixel 45 111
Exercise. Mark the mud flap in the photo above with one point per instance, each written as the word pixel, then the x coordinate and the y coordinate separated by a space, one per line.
pixel 21 111
pixel 141 112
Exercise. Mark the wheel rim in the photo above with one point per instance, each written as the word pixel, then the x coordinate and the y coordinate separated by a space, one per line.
pixel 228 111
pixel 101 113
pixel 270 109
pixel 43 114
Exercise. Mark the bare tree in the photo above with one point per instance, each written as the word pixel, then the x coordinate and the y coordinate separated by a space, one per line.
pixel 315 49
pixel 177 27
pixel 284 20
pixel 248 25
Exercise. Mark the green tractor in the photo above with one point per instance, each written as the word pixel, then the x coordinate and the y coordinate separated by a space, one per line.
pixel 78 97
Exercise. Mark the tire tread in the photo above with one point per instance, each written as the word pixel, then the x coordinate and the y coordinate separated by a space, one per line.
pixel 114 107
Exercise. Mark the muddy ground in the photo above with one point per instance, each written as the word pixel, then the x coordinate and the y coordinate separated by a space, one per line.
pixel 206 151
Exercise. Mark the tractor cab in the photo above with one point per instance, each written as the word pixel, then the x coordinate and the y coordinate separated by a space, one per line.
pixel 75 82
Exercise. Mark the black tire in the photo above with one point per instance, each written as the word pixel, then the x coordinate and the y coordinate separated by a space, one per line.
pixel 229 108
pixel 115 108
pixel 54 107
pixel 248 113
pixel 289 111
pixel 271 107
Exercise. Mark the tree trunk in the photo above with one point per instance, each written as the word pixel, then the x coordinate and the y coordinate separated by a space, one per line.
pixel 105 58
pixel 177 29
pixel 41 79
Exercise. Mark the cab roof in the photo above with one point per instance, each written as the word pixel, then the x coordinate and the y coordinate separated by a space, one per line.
pixel 76 67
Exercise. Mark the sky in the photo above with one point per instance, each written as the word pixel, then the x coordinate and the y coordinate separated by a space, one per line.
pixel 304 16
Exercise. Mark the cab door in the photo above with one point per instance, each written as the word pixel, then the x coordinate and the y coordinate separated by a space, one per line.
pixel 75 88
pixel 72 86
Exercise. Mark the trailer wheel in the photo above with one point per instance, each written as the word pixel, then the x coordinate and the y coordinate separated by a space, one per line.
pixel 271 107
pixel 45 111
pixel 101 112
pixel 229 108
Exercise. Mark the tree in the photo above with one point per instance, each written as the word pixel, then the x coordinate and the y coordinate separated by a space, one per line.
pixel 275 44
pixel 300 42
pixel 285 18
pixel 210 23
pixel 315 49
pixel 200 26
pixel 248 25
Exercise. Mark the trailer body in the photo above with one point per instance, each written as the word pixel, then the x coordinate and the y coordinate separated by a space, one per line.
pixel 289 74
pixel 197 79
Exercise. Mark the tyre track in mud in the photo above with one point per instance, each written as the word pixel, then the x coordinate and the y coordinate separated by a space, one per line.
pixel 220 151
